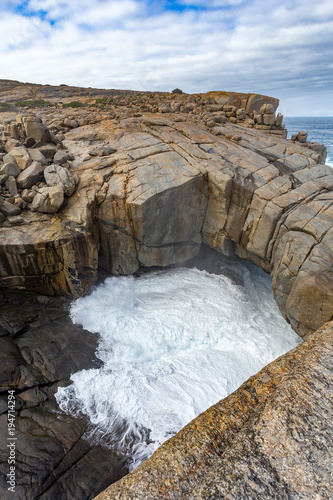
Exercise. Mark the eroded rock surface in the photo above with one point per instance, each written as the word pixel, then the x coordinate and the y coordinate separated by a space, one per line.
pixel 39 350
pixel 151 188
pixel 272 438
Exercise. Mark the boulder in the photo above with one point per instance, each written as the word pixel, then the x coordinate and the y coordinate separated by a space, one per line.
pixel 55 175
pixel 241 114
pixel 220 119
pixel 60 157
pixel 302 136
pixel 268 119
pixel 10 169
pixel 279 119
pixel 164 108
pixel 21 157
pixel 48 200
pixel 30 176
pixel 29 142
pixel 8 158
pixel 70 123
pixel 8 209
pixel 10 144
pixel 3 178
pixel 34 128
pixel 37 155
pixel 28 195
pixel 256 101
pixel 175 105
pixel 11 185
pixel 267 108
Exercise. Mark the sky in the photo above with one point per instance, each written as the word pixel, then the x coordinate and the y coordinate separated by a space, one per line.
pixel 282 48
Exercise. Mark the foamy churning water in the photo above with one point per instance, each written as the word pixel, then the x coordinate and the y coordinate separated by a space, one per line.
pixel 173 343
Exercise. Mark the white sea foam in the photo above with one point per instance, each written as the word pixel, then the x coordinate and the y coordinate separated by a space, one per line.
pixel 173 343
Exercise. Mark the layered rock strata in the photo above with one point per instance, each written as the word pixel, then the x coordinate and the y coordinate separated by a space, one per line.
pixel 272 438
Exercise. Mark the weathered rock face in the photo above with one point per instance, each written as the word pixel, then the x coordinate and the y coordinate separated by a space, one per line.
pixel 40 348
pixel 272 438
pixel 154 187
pixel 46 256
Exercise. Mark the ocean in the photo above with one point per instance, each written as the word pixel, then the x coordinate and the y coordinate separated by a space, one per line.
pixel 319 130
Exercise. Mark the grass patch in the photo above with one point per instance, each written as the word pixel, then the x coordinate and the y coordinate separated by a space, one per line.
pixel 74 104
pixel 4 105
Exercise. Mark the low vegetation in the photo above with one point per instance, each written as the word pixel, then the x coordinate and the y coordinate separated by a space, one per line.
pixel 74 104
pixel 38 103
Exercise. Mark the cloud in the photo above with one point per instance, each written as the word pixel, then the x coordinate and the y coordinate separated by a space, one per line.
pixel 283 49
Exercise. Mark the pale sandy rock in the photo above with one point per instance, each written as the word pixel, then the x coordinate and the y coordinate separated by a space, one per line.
pixel 164 109
pixel 21 157
pixel 10 144
pixel 175 105
pixel 241 114
pixel 268 119
pixel 70 123
pixel 48 200
pixel 33 127
pixel 302 136
pixel 256 101
pixel 279 119
pixel 60 157
pixel 55 175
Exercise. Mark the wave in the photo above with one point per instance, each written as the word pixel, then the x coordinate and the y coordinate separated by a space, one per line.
pixel 173 343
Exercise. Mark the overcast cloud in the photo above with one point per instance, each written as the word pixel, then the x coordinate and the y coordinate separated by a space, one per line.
pixel 283 49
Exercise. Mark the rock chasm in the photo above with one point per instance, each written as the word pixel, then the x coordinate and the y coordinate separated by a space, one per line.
pixel 120 180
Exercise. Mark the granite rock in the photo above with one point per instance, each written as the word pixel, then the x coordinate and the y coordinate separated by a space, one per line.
pixel 271 438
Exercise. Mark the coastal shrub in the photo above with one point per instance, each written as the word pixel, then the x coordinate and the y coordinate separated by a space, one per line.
pixel 177 91
pixel 39 103
pixel 4 105
pixel 74 104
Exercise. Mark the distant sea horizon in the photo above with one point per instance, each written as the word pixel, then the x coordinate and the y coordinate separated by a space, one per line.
pixel 320 129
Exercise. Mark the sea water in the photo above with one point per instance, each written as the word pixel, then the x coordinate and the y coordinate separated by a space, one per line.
pixel 319 130
pixel 173 343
